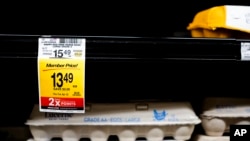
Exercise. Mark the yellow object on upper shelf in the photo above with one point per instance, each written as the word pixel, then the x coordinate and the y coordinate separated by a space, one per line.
pixel 226 21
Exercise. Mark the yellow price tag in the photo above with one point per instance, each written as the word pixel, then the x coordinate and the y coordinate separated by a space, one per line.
pixel 61 73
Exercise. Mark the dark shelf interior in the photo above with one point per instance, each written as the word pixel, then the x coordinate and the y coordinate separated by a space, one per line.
pixel 158 19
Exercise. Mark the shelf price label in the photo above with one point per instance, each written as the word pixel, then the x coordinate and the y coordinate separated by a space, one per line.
pixel 61 75
pixel 245 51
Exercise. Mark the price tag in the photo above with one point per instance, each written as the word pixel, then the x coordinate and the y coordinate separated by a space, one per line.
pixel 61 75
pixel 245 51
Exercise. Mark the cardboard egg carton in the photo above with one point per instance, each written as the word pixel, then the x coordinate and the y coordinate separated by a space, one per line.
pixel 128 121
pixel 211 138
pixel 219 113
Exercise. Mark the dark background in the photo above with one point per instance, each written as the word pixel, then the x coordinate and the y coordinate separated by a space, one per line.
pixel 128 18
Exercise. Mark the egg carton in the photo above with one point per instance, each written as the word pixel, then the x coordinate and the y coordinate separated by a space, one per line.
pixel 110 140
pixel 128 121
pixel 222 22
pixel 221 112
pixel 211 138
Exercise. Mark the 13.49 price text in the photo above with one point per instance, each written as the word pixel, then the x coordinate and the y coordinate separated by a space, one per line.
pixel 59 79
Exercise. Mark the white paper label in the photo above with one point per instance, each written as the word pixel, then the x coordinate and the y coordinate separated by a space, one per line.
pixel 245 51
pixel 67 48
pixel 238 17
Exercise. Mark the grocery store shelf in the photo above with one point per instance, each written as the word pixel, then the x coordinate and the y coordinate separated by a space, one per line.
pixel 119 69
pixel 124 48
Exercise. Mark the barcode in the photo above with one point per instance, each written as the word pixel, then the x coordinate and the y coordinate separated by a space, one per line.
pixel 72 41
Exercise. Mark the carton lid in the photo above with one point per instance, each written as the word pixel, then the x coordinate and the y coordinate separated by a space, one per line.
pixel 226 107
pixel 170 113
pixel 223 17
